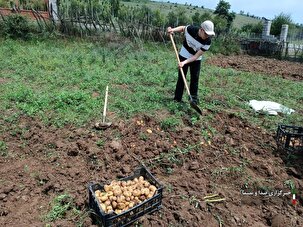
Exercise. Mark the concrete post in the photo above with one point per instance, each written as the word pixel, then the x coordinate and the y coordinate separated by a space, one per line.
pixel 283 34
pixel 266 28
pixel 53 9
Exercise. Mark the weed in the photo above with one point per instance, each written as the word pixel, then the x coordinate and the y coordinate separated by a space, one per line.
pixel 169 188
pixel 291 185
pixel 3 149
pixel 60 205
pixel 143 136
pixel 208 132
pixel 169 123
pixel 169 170
pixel 100 143
pixel 194 120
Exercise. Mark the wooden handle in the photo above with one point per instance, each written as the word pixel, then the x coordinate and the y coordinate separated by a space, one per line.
pixel 105 105
pixel 182 73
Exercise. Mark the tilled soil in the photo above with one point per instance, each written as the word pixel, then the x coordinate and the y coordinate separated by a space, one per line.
pixel 232 160
pixel 257 64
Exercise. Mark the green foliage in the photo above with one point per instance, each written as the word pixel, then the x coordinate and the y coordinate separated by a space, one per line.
pixel 100 143
pixel 196 19
pixel 16 26
pixel 3 149
pixel 169 123
pixel 63 82
pixel 220 25
pixel 4 3
pixel 252 28
pixel 225 44
pixel 278 21
pixel 222 10
pixel 60 206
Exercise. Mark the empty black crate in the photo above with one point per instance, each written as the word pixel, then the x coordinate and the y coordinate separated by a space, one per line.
pixel 124 219
pixel 290 138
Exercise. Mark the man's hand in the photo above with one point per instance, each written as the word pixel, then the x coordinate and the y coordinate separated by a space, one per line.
pixel 181 64
pixel 170 30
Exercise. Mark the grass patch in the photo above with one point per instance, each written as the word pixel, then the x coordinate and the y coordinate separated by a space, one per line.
pixel 57 81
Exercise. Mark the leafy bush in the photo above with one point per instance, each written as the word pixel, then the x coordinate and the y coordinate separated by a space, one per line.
pixel 16 26
pixel 226 44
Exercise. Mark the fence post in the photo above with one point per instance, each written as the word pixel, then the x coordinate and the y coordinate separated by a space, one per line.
pixel 53 9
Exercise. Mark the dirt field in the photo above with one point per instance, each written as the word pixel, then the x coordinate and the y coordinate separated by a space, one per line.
pixel 45 162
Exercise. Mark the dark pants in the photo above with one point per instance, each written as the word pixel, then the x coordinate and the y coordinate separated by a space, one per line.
pixel 194 68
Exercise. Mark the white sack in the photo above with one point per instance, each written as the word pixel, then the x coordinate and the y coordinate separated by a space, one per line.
pixel 268 107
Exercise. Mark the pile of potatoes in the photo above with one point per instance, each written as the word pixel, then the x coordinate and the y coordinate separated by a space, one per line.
pixel 120 196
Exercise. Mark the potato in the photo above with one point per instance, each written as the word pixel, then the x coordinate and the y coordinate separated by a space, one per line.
pixel 114 204
pixel 108 188
pixel 120 196
pixel 127 194
pixel 121 206
pixel 103 198
pixel 144 191
pixel 118 211
pixel 110 193
pixel 109 209
pixel 146 184
pixel 117 192
pixel 131 204
pixel 136 193
pixel 152 188
pixel 107 203
pixel 97 193
pixel 150 195
pixel 103 207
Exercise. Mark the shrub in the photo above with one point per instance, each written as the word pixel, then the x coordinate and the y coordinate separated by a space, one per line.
pixel 226 44
pixel 16 26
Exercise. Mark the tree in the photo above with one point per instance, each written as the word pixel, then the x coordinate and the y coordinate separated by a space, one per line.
pixel 115 6
pixel 178 18
pixel 222 10
pixel 158 19
pixel 220 24
pixel 253 28
pixel 278 21
pixel 196 19
pixel 205 16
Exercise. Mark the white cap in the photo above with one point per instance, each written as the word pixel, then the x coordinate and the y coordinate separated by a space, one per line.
pixel 208 27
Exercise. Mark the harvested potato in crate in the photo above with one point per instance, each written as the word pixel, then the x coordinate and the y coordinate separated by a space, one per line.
pixel 121 202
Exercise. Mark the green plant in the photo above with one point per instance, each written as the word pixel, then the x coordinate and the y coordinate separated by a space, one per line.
pixel 60 206
pixel 143 136
pixel 100 143
pixel 291 185
pixel 16 26
pixel 169 123
pixel 3 149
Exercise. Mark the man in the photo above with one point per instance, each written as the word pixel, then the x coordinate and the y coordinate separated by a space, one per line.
pixel 197 41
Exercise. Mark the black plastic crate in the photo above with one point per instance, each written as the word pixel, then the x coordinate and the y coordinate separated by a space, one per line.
pixel 290 138
pixel 126 218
